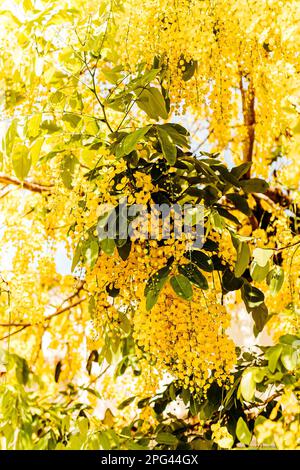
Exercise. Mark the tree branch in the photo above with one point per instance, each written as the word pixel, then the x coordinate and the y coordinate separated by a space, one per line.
pixel 48 318
pixel 35 187
pixel 13 333
pixel 65 309
pixel 277 196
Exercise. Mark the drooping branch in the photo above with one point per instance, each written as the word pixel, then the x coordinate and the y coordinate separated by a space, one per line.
pixel 65 309
pixel 8 335
pixel 35 187
pixel 278 197
pixel 248 107
pixel 48 318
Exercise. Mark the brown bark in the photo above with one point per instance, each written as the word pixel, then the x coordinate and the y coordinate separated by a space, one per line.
pixel 35 187
pixel 48 318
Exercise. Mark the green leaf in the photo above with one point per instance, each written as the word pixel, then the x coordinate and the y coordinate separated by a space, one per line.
pixel 68 167
pixel 273 355
pixel 178 127
pixel 289 357
pixel 227 215
pixel 275 279
pixel 185 395
pixel 240 203
pixel 166 438
pixel 126 402
pixel 199 258
pixel 194 406
pixel 289 339
pixel 201 444
pixel 152 102
pixel 35 150
pixel 207 410
pixel 33 125
pixel 143 402
pixel 178 134
pixel 210 245
pixel 230 282
pixel 77 255
pixel 225 175
pixel 57 371
pixel 148 76
pixel 108 246
pixel 262 256
pixel 124 250
pixel 168 147
pixel 260 317
pixel 172 391
pixel 248 385
pixel 236 239
pixel 11 134
pixel 57 97
pixel 124 323
pixel 21 161
pixel 50 126
pixel 257 272
pixel 190 69
pixel 156 278
pixel 104 440
pixel 121 102
pixel 83 425
pixel 240 170
pixel 182 286
pixel 154 286
pixel 92 253
pixel 254 185
pixel 111 74
pixel 242 432
pixel 93 357
pixel 216 220
pixel 135 446
pixel 259 373
pixel 259 420
pixel 151 299
pixel 191 272
pixel 243 258
pixel 230 395
pixel 72 119
pixel 130 141
pixel 22 370
pixel 252 296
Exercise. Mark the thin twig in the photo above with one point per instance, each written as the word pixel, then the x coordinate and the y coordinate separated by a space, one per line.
pixel 13 333
pixel 48 318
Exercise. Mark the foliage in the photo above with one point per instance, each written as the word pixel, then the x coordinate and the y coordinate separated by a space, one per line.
pixel 255 409
pixel 95 112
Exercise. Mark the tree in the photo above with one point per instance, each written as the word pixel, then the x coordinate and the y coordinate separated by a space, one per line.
pixel 181 104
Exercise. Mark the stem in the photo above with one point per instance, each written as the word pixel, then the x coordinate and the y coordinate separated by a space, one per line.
pixel 35 187
pixel 59 311
pixel 287 246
